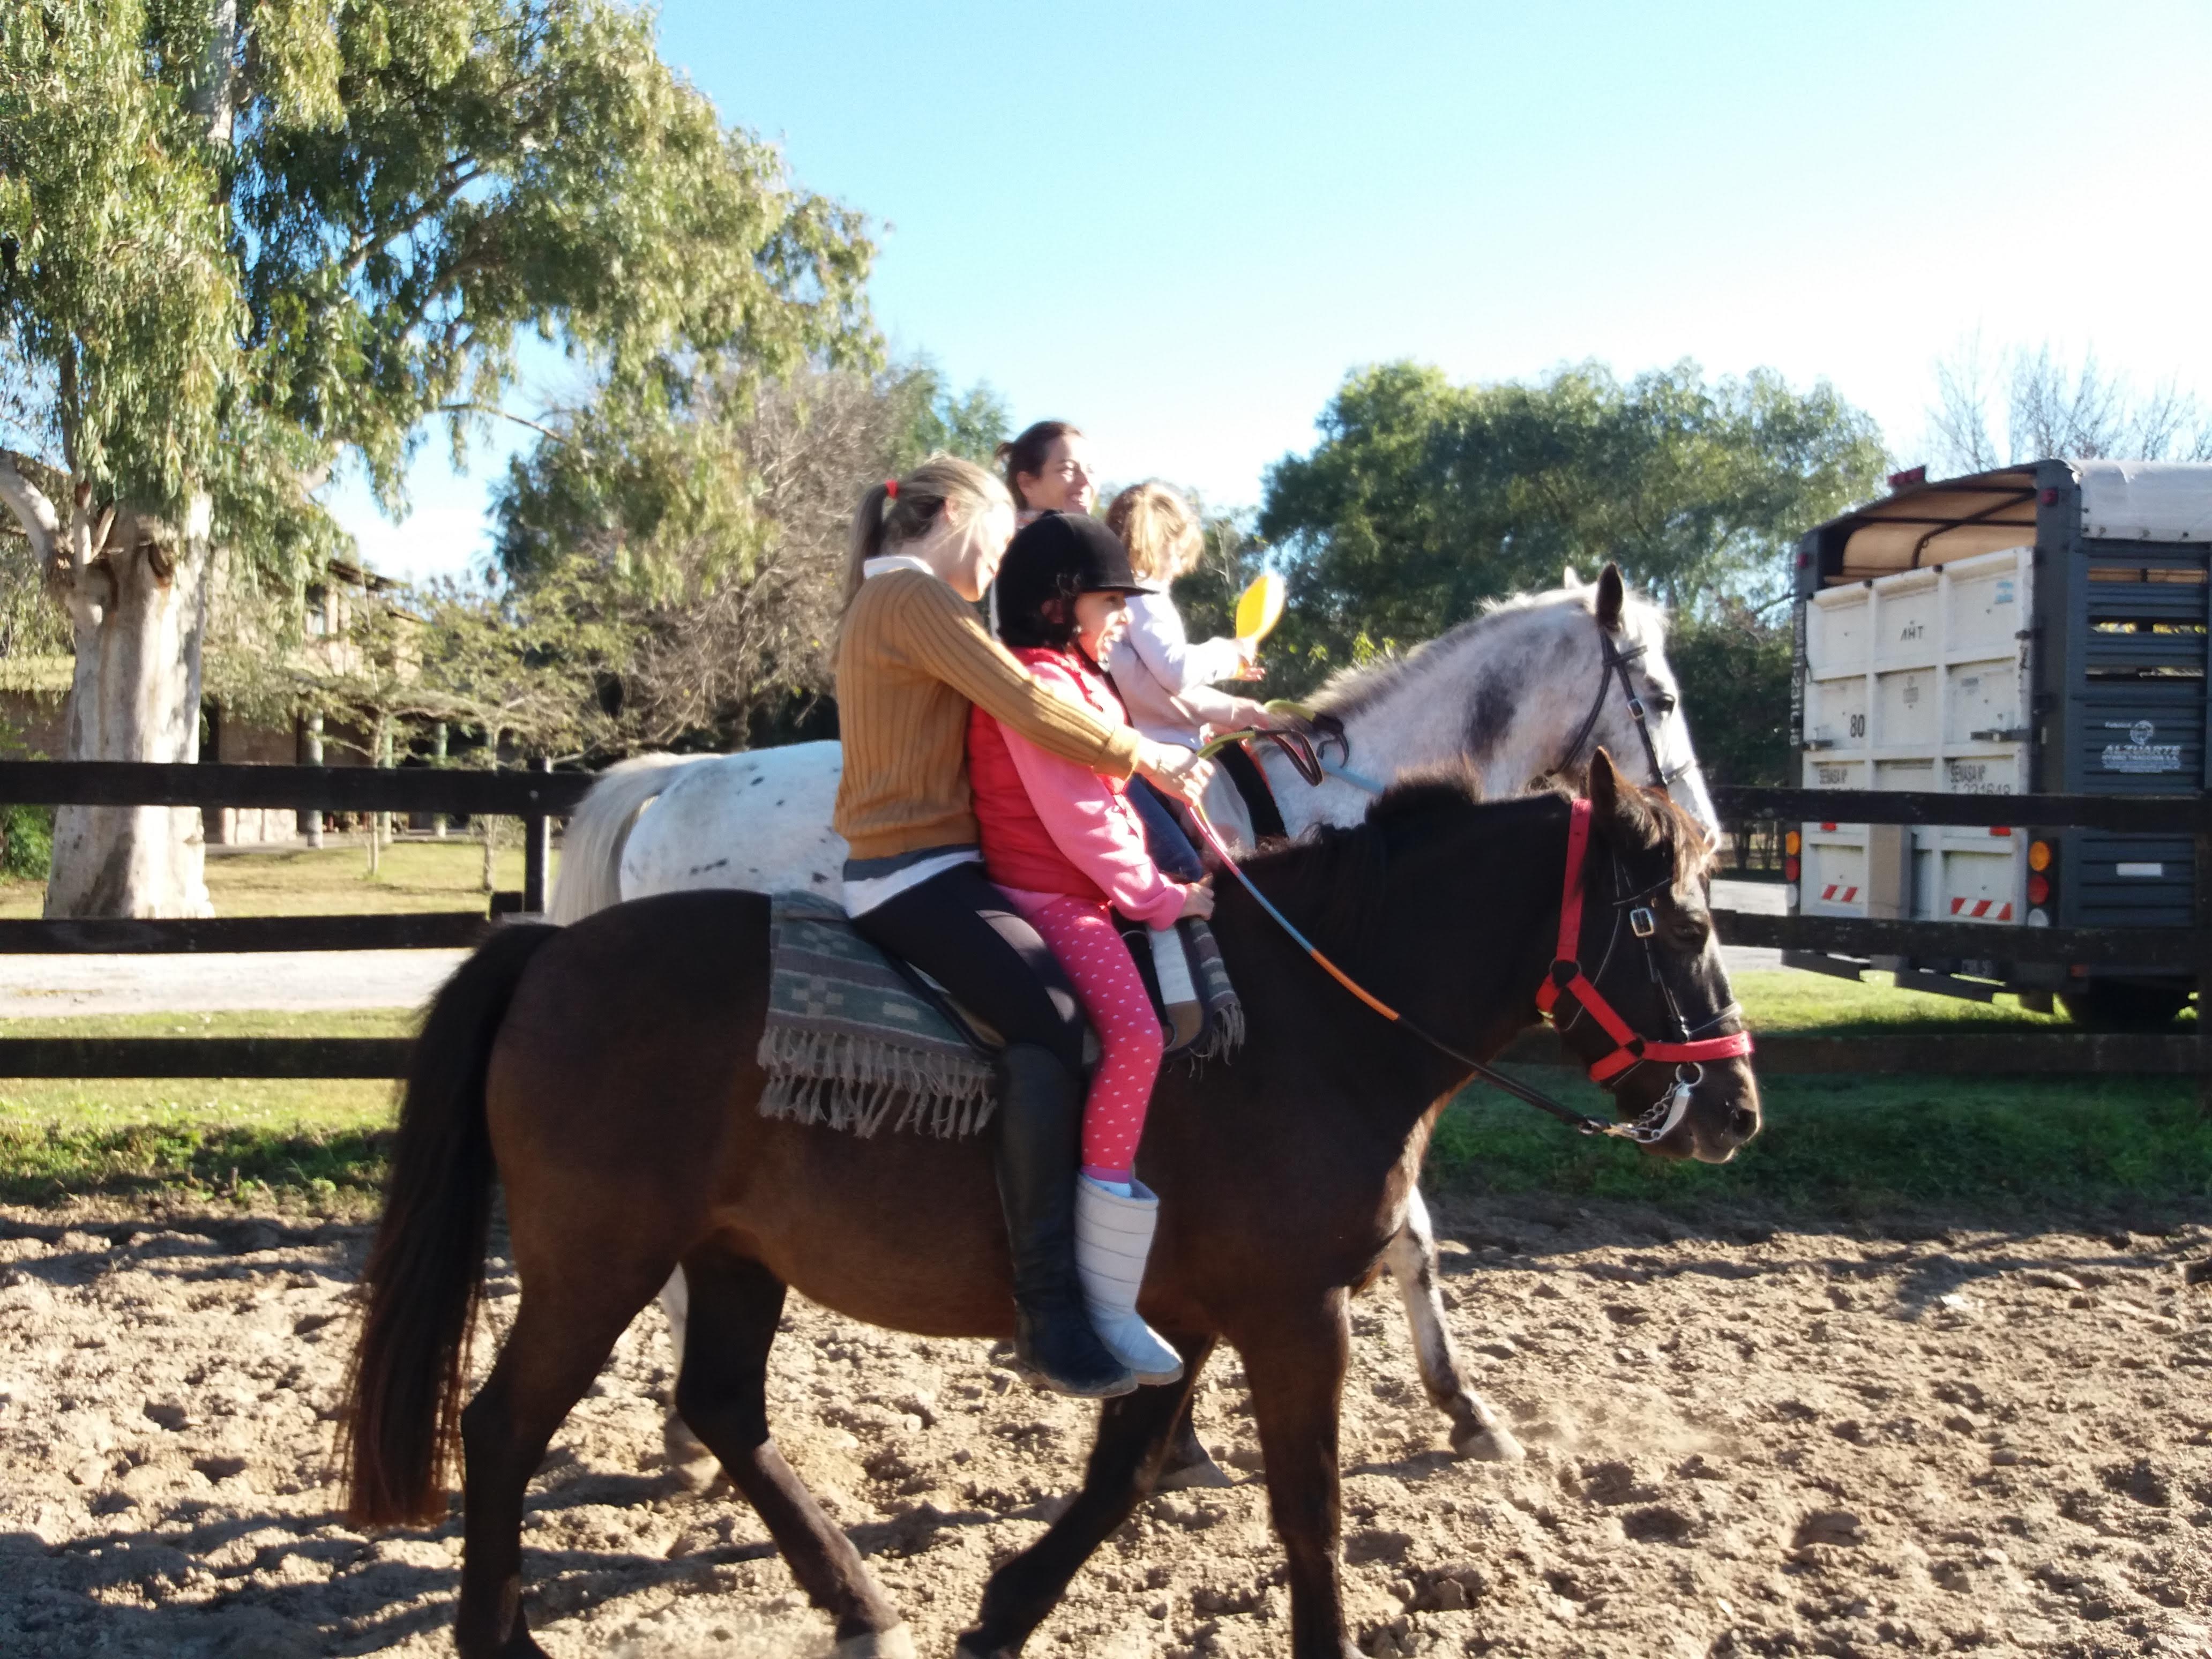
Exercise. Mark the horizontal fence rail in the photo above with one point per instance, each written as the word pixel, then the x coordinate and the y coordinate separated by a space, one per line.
pixel 537 797
pixel 2163 815
pixel 507 794
pixel 428 930
pixel 2116 947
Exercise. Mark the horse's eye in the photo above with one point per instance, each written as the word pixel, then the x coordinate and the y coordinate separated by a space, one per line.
pixel 1664 703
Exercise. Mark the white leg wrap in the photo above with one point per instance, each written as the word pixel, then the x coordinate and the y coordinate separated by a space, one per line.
pixel 1113 1237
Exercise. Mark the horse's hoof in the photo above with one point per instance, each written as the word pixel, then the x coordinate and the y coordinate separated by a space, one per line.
pixel 896 1643
pixel 966 1649
pixel 688 1460
pixel 1495 1444
pixel 1200 1474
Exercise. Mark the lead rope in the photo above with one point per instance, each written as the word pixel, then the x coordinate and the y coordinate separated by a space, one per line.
pixel 1583 1122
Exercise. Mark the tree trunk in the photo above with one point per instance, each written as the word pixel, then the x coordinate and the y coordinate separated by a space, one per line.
pixel 137 603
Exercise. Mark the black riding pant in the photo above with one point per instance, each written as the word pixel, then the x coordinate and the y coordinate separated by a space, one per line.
pixel 958 929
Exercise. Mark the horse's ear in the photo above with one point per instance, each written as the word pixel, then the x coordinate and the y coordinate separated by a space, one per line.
pixel 1615 812
pixel 1611 594
pixel 1568 579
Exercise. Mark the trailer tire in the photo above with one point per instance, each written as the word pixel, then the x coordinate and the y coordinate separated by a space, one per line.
pixel 2115 1006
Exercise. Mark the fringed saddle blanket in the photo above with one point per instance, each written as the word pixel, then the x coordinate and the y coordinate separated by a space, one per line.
pixel 852 1043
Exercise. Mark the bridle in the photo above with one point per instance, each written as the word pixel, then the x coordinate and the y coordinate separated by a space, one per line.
pixel 1565 978
pixel 1617 663
pixel 1308 754
pixel 1686 1049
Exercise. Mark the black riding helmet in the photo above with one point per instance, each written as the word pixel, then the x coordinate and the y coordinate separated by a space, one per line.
pixel 1059 556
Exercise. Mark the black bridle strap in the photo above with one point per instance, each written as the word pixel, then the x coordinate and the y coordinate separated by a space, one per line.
pixel 1616 665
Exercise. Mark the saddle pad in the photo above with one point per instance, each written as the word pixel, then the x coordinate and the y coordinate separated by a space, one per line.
pixel 849 1044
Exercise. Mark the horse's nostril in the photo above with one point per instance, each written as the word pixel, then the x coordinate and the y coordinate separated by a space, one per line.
pixel 1743 1123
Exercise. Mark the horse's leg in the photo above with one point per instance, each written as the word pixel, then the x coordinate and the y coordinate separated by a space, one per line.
pixel 1187 1465
pixel 687 1456
pixel 1295 1364
pixel 1133 1431
pixel 1412 1255
pixel 722 1392
pixel 563 1331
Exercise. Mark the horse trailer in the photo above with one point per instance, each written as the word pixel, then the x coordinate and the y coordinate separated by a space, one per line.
pixel 2036 629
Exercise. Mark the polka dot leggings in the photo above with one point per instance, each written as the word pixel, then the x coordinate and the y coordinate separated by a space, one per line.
pixel 1083 937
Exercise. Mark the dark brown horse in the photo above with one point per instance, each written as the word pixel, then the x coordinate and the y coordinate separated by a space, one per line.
pixel 605 1073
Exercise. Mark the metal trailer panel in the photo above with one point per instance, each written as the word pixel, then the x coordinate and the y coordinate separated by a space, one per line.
pixel 1917 680
pixel 2122 690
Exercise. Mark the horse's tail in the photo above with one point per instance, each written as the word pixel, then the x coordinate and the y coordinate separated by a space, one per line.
pixel 402 1418
pixel 592 846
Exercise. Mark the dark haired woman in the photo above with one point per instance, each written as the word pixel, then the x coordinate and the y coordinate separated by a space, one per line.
pixel 1047 470
pixel 912 660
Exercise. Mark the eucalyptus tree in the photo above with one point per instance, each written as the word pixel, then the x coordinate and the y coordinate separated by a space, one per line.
pixel 243 241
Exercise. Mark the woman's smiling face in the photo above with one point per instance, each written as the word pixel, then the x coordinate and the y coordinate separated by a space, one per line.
pixel 1063 482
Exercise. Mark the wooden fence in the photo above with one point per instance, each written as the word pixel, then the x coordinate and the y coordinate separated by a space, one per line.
pixel 538 797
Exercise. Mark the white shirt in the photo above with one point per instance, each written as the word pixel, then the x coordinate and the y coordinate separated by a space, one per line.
pixel 1164 680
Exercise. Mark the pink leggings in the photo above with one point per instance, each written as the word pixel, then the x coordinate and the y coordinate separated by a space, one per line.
pixel 1083 937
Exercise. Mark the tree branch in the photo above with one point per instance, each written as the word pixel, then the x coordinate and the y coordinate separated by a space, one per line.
pixel 31 509
pixel 539 428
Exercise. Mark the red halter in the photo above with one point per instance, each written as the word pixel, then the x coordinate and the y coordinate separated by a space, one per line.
pixel 1567 975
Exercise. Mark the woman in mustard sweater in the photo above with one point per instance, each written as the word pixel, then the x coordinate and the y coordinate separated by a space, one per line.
pixel 913 658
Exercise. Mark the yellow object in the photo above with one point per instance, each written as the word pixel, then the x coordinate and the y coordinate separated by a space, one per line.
pixel 2038 855
pixel 1791 842
pixel 1260 608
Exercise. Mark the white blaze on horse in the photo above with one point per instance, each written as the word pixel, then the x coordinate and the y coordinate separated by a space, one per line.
pixel 1524 692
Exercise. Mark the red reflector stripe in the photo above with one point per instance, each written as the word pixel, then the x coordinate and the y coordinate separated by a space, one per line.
pixel 1828 826
pixel 1996 831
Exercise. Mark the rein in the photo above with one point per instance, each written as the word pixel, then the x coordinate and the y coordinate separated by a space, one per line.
pixel 1630 1051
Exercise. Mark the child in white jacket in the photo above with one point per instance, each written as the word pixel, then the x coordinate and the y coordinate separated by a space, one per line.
pixel 1166 682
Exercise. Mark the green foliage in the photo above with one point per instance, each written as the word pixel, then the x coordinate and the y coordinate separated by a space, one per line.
pixel 1734 667
pixel 26 842
pixel 719 527
pixel 232 258
pixel 1422 499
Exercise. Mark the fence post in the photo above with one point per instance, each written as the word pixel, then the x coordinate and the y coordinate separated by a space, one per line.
pixel 537 851
pixel 2201 871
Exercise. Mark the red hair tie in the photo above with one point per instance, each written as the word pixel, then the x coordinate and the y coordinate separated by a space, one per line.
pixel 890 489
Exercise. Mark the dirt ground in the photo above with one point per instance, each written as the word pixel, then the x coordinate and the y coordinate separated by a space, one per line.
pixel 1844 1441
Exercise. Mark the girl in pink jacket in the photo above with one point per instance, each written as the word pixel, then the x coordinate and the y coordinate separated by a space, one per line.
pixel 1067 849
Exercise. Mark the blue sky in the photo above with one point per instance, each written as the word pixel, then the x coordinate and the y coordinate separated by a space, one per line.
pixel 1180 226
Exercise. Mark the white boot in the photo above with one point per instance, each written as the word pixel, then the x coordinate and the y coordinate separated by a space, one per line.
pixel 1113 1237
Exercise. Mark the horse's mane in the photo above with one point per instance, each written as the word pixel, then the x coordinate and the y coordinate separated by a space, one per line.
pixel 1330 879
pixel 1350 691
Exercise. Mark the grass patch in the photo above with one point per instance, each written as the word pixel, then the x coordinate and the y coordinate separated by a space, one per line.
pixel 1833 1145
pixel 416 875
pixel 1783 1000
pixel 321 1141
pixel 1852 1146
pixel 1861 1145
pixel 335 1170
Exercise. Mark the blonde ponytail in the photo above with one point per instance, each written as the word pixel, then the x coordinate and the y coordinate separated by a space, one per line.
pixel 900 511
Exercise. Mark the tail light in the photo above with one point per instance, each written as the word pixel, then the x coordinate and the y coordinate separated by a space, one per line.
pixel 2042 875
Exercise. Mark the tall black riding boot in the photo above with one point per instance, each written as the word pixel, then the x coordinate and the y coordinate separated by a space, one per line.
pixel 1040 1136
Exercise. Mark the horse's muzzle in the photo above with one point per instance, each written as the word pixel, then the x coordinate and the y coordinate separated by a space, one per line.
pixel 1724 1113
